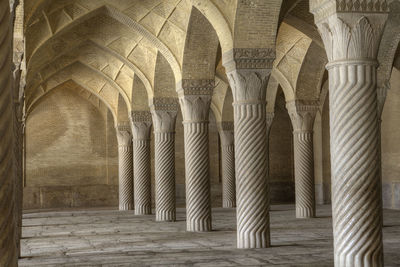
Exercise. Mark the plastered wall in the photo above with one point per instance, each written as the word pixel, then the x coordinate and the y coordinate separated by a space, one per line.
pixel 71 153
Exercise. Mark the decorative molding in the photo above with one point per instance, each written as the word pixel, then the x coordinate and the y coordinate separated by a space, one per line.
pixel 165 104
pixel 323 9
pixel 248 58
pixel 141 116
pixel 196 87
pixel 302 114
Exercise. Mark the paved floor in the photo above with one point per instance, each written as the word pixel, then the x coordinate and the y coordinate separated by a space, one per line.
pixel 113 238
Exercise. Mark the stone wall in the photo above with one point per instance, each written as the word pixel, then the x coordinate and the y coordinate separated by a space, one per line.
pixel 71 153
pixel 391 144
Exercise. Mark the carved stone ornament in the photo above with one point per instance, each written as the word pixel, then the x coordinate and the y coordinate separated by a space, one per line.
pixel 249 86
pixel 141 125
pixel 196 87
pixel 165 104
pixel 302 114
pixel 248 58
pixel 325 8
pixel 164 112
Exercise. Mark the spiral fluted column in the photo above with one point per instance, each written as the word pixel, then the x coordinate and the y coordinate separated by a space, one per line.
pixel 125 167
pixel 228 164
pixel 248 72
pixel 270 118
pixel 352 40
pixel 195 100
pixel 164 112
pixel 303 115
pixel 8 222
pixel 141 126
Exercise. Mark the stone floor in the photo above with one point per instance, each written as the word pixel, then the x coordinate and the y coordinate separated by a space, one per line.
pixel 113 238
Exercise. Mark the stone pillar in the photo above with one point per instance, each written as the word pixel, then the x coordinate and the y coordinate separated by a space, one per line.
pixel 164 112
pixel 248 72
pixel 8 222
pixel 270 118
pixel 195 100
pixel 125 168
pixel 141 126
pixel 303 115
pixel 228 164
pixel 351 32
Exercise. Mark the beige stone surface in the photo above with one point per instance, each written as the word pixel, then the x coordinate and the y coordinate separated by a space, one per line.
pixel 83 66
pixel 70 143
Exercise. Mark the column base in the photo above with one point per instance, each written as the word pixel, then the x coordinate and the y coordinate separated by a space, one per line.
pixel 142 210
pixel 125 207
pixel 165 216
pixel 305 213
pixel 253 240
pixel 202 226
pixel 228 204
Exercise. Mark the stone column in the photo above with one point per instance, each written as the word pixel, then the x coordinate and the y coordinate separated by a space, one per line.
pixel 303 115
pixel 125 170
pixel 164 111
pixel 248 72
pixel 351 32
pixel 8 222
pixel 141 126
pixel 195 100
pixel 228 164
pixel 270 119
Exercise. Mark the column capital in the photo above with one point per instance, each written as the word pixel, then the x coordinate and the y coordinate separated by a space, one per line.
pixel 226 132
pixel 248 58
pixel 164 111
pixel 124 136
pixel 195 99
pixel 249 86
pixel 302 114
pixel 141 125
pixel 350 30
pixel 382 93
pixel 270 118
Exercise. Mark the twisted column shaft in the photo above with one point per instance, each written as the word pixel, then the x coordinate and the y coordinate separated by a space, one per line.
pixel 356 201
pixel 352 40
pixel 304 174
pixel 195 100
pixel 125 168
pixel 165 176
pixel 164 112
pixel 252 195
pixel 8 222
pixel 141 125
pixel 198 206
pixel 303 115
pixel 228 165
